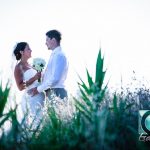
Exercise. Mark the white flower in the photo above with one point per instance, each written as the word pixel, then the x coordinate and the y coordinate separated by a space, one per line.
pixel 38 64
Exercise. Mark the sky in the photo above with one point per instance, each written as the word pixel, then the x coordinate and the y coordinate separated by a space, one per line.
pixel 121 28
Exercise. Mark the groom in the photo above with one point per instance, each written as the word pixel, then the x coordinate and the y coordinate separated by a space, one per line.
pixel 57 68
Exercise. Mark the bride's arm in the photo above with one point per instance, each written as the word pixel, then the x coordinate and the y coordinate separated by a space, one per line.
pixel 31 80
pixel 19 78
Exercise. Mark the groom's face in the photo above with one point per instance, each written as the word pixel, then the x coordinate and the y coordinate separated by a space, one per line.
pixel 49 42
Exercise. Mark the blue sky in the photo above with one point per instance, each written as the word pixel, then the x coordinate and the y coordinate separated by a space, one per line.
pixel 120 27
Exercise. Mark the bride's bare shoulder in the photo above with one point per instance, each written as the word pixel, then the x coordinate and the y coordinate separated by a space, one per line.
pixel 17 68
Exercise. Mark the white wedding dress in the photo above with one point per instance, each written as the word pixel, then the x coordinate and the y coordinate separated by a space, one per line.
pixel 32 105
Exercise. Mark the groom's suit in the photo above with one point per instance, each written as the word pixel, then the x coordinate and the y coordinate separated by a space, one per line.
pixel 55 74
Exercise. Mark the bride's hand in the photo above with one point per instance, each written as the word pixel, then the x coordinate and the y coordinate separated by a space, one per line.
pixel 37 75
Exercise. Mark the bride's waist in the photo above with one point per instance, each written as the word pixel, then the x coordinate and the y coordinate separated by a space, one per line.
pixel 32 86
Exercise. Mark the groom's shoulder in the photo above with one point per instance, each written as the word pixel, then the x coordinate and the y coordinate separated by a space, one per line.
pixel 61 53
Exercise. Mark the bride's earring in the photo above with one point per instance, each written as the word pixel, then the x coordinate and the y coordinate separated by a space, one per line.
pixel 21 52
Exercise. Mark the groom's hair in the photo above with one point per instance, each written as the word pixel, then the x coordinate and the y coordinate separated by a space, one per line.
pixel 54 34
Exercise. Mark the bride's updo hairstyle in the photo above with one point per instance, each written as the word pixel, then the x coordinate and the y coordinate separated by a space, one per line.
pixel 19 47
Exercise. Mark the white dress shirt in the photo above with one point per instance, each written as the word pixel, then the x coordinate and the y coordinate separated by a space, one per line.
pixel 56 71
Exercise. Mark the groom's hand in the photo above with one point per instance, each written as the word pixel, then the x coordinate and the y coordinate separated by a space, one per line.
pixel 33 91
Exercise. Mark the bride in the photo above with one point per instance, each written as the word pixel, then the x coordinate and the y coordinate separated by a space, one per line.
pixel 26 78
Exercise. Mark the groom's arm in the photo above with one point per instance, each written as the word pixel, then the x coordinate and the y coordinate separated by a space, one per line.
pixel 33 91
pixel 44 86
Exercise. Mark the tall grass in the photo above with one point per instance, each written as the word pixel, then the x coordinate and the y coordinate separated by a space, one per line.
pixel 94 120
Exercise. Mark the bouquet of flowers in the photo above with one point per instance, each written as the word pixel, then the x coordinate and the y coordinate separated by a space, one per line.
pixel 38 64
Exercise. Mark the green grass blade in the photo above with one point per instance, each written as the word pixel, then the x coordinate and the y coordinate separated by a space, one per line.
pixel 115 108
pixel 3 97
pixel 99 75
pixel 90 81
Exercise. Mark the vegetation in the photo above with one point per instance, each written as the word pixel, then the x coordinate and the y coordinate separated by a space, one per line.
pixel 96 119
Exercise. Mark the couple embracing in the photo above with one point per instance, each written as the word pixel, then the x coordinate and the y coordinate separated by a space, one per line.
pixel 53 78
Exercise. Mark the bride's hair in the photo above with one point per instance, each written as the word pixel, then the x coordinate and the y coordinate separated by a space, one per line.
pixel 18 48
